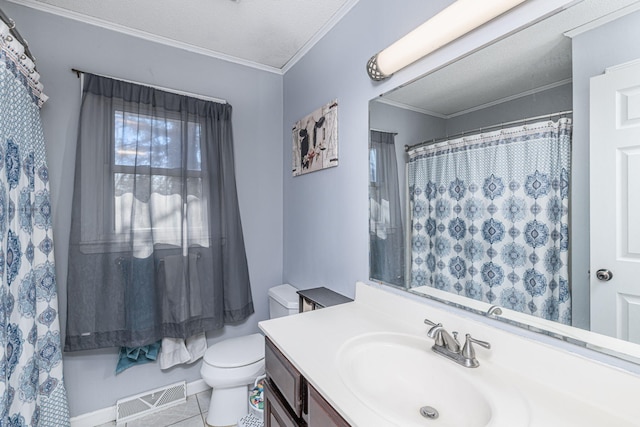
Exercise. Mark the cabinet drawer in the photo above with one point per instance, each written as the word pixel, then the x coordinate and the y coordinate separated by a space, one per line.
pixel 275 412
pixel 286 379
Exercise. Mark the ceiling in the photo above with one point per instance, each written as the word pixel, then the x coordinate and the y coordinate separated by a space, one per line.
pixel 274 34
pixel 534 59
pixel 268 34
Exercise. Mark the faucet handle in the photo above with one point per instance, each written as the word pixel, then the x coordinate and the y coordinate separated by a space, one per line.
pixel 468 351
pixel 430 323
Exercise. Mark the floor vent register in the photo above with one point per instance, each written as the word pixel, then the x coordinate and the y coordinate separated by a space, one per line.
pixel 146 403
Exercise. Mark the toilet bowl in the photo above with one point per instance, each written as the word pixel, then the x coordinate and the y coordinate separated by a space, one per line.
pixel 231 365
pixel 228 367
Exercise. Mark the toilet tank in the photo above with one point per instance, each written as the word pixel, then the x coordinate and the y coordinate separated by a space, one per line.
pixel 283 301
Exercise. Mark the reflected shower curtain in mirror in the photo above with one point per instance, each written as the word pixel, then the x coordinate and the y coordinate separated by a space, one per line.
pixel 489 218
pixel 32 391
pixel 156 248
pixel 386 237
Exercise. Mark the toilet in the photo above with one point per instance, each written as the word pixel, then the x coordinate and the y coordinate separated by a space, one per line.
pixel 231 365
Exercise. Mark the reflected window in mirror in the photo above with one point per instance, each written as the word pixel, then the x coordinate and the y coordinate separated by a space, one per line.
pixel 386 235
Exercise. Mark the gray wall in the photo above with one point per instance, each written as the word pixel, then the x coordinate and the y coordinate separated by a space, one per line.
pixel 326 212
pixel 256 96
pixel 612 44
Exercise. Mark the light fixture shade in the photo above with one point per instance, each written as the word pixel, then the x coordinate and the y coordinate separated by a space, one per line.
pixel 451 23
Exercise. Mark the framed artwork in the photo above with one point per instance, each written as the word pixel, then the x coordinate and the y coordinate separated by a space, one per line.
pixel 315 140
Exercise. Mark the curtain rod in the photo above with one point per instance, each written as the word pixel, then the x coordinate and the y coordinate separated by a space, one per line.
pixel 14 32
pixel 166 89
pixel 482 129
pixel 383 131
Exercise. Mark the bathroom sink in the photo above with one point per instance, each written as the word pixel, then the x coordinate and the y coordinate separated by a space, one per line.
pixel 398 377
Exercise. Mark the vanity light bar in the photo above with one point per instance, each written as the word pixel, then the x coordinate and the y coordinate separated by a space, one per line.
pixel 453 22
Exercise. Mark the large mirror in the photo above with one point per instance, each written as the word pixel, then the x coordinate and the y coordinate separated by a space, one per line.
pixel 456 218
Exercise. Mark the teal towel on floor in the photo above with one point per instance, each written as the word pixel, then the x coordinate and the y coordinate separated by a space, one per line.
pixel 130 356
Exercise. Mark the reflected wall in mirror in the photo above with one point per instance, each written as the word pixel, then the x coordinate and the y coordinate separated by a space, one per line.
pixel 492 194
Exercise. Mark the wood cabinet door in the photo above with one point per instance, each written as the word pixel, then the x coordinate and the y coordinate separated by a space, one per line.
pixel 321 413
pixel 285 377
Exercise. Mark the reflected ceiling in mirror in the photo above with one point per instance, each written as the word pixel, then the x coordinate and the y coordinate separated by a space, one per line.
pixel 529 61
pixel 526 74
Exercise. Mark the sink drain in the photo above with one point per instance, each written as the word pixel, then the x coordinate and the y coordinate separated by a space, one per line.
pixel 429 412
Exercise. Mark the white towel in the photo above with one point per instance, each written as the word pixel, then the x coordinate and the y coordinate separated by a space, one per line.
pixel 175 351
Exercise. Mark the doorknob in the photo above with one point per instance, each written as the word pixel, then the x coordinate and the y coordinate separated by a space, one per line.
pixel 604 275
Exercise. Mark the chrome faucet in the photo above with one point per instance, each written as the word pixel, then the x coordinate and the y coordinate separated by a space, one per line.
pixel 449 346
pixel 442 338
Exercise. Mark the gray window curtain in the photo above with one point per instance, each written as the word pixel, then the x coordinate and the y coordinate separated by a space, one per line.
pixel 386 237
pixel 156 247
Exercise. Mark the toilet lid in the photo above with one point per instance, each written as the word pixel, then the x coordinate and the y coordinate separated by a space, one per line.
pixel 234 352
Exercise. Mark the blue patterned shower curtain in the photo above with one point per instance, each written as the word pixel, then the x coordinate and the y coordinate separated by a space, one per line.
pixel 489 218
pixel 32 391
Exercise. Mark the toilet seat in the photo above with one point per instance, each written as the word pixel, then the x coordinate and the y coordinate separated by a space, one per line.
pixel 236 352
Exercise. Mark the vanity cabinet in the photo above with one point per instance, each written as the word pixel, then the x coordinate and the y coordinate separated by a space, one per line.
pixel 290 401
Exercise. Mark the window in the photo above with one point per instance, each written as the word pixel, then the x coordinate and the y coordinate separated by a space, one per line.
pixel 147 174
pixel 373 166
pixel 147 183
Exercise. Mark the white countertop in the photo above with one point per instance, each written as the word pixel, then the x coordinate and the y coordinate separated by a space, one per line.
pixel 560 389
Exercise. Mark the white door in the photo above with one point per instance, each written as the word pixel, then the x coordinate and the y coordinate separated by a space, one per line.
pixel 615 202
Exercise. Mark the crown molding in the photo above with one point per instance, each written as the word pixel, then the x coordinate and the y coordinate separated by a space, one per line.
pixel 337 17
pixel 65 13
pixel 511 98
pixel 410 107
pixel 476 108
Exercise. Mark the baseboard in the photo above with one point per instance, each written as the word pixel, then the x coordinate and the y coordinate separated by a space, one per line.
pixel 95 418
pixel 197 386
pixel 106 415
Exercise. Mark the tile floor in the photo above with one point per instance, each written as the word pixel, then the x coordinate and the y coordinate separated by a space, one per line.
pixel 192 413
